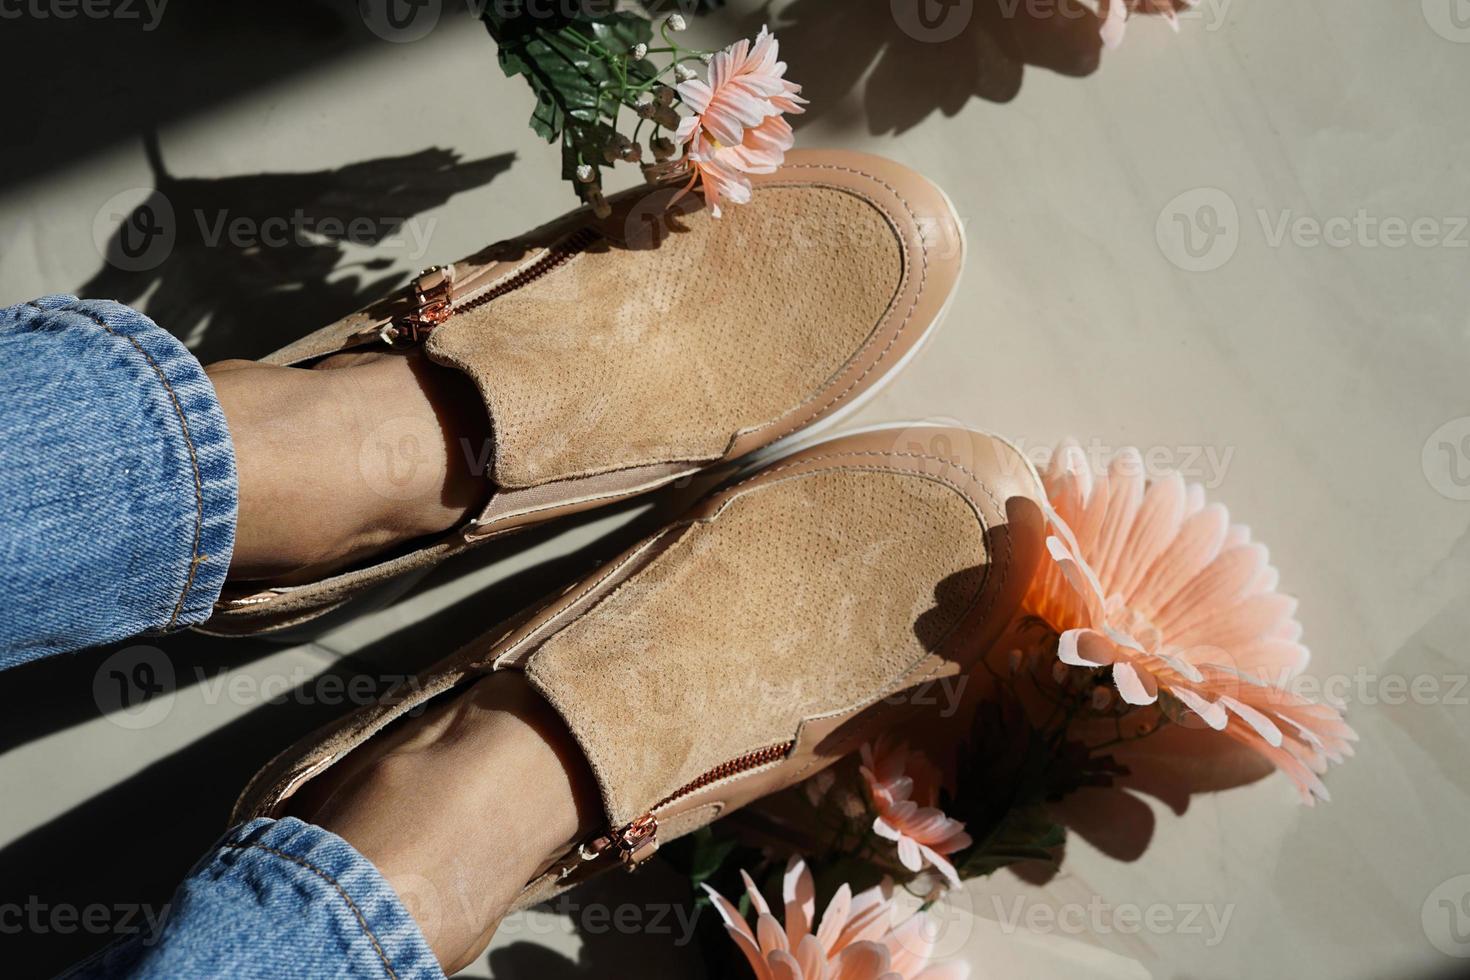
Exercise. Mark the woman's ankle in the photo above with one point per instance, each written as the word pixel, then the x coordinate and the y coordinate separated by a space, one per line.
pixel 336 466
pixel 461 808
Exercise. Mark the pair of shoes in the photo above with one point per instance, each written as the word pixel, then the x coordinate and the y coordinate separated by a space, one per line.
pixel 773 628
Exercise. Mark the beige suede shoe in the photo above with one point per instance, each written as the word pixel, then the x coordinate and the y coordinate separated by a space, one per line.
pixel 756 640
pixel 618 355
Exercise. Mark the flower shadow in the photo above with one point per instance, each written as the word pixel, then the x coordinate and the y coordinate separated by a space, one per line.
pixel 238 266
pixel 922 56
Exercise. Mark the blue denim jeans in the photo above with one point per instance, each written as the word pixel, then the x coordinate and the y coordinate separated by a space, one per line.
pixel 117 517
pixel 274 899
pixel 117 479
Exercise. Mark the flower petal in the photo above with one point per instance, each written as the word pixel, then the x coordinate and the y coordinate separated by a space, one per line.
pixel 1134 686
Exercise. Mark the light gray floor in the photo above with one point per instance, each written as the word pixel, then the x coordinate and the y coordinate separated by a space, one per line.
pixel 1315 384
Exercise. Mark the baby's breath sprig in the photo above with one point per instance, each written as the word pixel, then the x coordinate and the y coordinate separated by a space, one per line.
pixel 606 90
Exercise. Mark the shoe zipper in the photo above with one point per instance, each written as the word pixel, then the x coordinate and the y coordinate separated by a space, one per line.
pixel 432 294
pixel 636 842
pixel 436 296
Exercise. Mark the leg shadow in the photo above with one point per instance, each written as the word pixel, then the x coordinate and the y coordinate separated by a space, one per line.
pixel 132 843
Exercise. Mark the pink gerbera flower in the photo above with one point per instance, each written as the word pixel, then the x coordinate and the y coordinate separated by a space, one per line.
pixel 1115 15
pixel 1151 583
pixel 738 127
pixel 855 940
pixel 905 790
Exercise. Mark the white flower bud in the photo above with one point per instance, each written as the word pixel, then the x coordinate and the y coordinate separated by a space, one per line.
pixel 853 807
pixel 639 52
pixel 818 786
pixel 684 73
pixel 676 22
pixel 585 173
pixel 707 57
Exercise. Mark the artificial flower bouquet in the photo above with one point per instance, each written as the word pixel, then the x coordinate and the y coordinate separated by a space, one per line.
pixel 599 67
pixel 1152 612
pixel 593 72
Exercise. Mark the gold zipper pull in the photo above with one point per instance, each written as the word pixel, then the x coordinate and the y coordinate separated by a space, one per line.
pixel 431 296
pixel 635 843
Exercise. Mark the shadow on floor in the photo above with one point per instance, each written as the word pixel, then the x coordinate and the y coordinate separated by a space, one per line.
pixel 81 81
pixel 240 266
pixel 133 842
pixel 645 926
pixel 923 56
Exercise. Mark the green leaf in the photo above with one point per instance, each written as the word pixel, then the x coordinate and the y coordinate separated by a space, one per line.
pixel 709 855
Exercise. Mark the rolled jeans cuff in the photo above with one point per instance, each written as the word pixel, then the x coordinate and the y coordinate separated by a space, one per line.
pixel 121 476
pixel 276 898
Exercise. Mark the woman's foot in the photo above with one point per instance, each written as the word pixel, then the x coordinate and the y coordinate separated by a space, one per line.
pixel 461 807
pixel 759 638
pixel 347 460
pixel 616 356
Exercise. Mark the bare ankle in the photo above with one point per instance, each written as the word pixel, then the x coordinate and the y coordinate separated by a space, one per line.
pixel 461 808
pixel 337 466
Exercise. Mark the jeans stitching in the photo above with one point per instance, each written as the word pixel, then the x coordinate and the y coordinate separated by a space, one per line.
pixel 197 558
pixel 361 919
